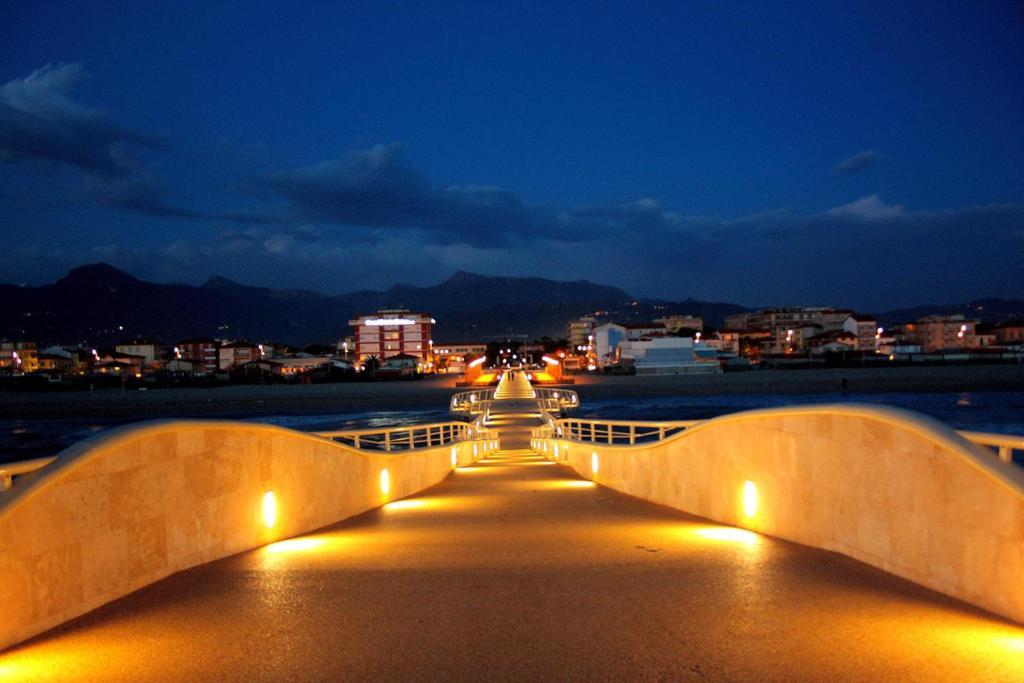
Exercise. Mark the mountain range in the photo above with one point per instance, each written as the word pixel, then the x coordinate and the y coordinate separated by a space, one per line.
pixel 101 305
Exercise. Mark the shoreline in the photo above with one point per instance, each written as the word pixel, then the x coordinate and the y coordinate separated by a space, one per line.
pixel 240 401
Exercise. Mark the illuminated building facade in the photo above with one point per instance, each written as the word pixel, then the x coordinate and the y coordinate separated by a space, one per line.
pixel 391 332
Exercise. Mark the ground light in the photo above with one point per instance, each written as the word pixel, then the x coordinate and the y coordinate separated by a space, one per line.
pixel 269 509
pixel 749 498
pixel 385 481
pixel 594 462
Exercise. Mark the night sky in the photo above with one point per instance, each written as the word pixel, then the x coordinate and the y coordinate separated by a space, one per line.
pixel 774 153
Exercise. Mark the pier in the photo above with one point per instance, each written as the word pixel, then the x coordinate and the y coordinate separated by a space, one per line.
pixel 520 542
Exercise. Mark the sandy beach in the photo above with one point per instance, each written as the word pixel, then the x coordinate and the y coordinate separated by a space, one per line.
pixel 241 401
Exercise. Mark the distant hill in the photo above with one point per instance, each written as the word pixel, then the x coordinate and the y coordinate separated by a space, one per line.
pixel 988 310
pixel 101 305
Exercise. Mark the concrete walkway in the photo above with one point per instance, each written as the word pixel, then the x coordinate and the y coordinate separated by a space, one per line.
pixel 515 569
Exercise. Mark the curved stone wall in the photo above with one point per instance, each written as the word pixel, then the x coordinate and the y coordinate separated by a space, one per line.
pixel 133 505
pixel 891 488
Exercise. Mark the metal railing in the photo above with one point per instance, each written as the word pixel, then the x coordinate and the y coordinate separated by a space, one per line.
pixel 8 471
pixel 1002 444
pixel 617 432
pixel 624 432
pixel 477 402
pixel 407 438
pixel 470 402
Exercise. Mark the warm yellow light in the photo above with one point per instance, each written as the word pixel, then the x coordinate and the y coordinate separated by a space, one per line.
pixel 407 504
pixel 474 450
pixel 455 456
pixel 295 545
pixel 1011 643
pixel 385 481
pixel 727 534
pixel 594 463
pixel 570 484
pixel 269 508
pixel 749 498
pixel 556 451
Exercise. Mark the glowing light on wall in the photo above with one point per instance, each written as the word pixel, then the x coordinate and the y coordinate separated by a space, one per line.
pixel 269 509
pixel 556 451
pixel 594 463
pixel 477 362
pixel 474 450
pixel 549 361
pixel 749 498
pixel 455 456
pixel 385 481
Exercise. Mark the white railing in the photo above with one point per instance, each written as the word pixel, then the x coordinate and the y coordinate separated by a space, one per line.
pixel 470 402
pixel 621 432
pixel 8 471
pixel 624 432
pixel 477 402
pixel 1003 444
pixel 408 438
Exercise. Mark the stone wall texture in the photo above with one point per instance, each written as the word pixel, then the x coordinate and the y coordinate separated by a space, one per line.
pixel 894 489
pixel 136 504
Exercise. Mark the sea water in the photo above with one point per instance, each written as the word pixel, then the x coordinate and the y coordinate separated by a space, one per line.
pixel 984 411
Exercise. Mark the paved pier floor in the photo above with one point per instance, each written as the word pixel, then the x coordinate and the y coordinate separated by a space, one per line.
pixel 515 569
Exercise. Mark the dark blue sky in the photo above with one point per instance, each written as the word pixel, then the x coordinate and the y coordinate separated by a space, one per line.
pixel 863 154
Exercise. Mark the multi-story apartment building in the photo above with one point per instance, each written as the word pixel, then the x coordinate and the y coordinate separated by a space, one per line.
pixel 18 357
pixel 789 318
pixel 580 331
pixel 865 329
pixel 934 333
pixel 674 323
pixel 236 353
pixel 392 332
pixel 203 352
pixel 1010 333
pixel 149 350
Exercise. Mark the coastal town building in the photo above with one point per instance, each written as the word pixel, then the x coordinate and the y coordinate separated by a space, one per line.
pixel 674 323
pixel 608 336
pixel 580 331
pixel 237 353
pixel 1010 333
pixel 936 333
pixel 18 357
pixel 726 342
pixel 790 318
pixel 666 356
pixel 865 329
pixel 150 351
pixel 202 351
pixel 391 332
